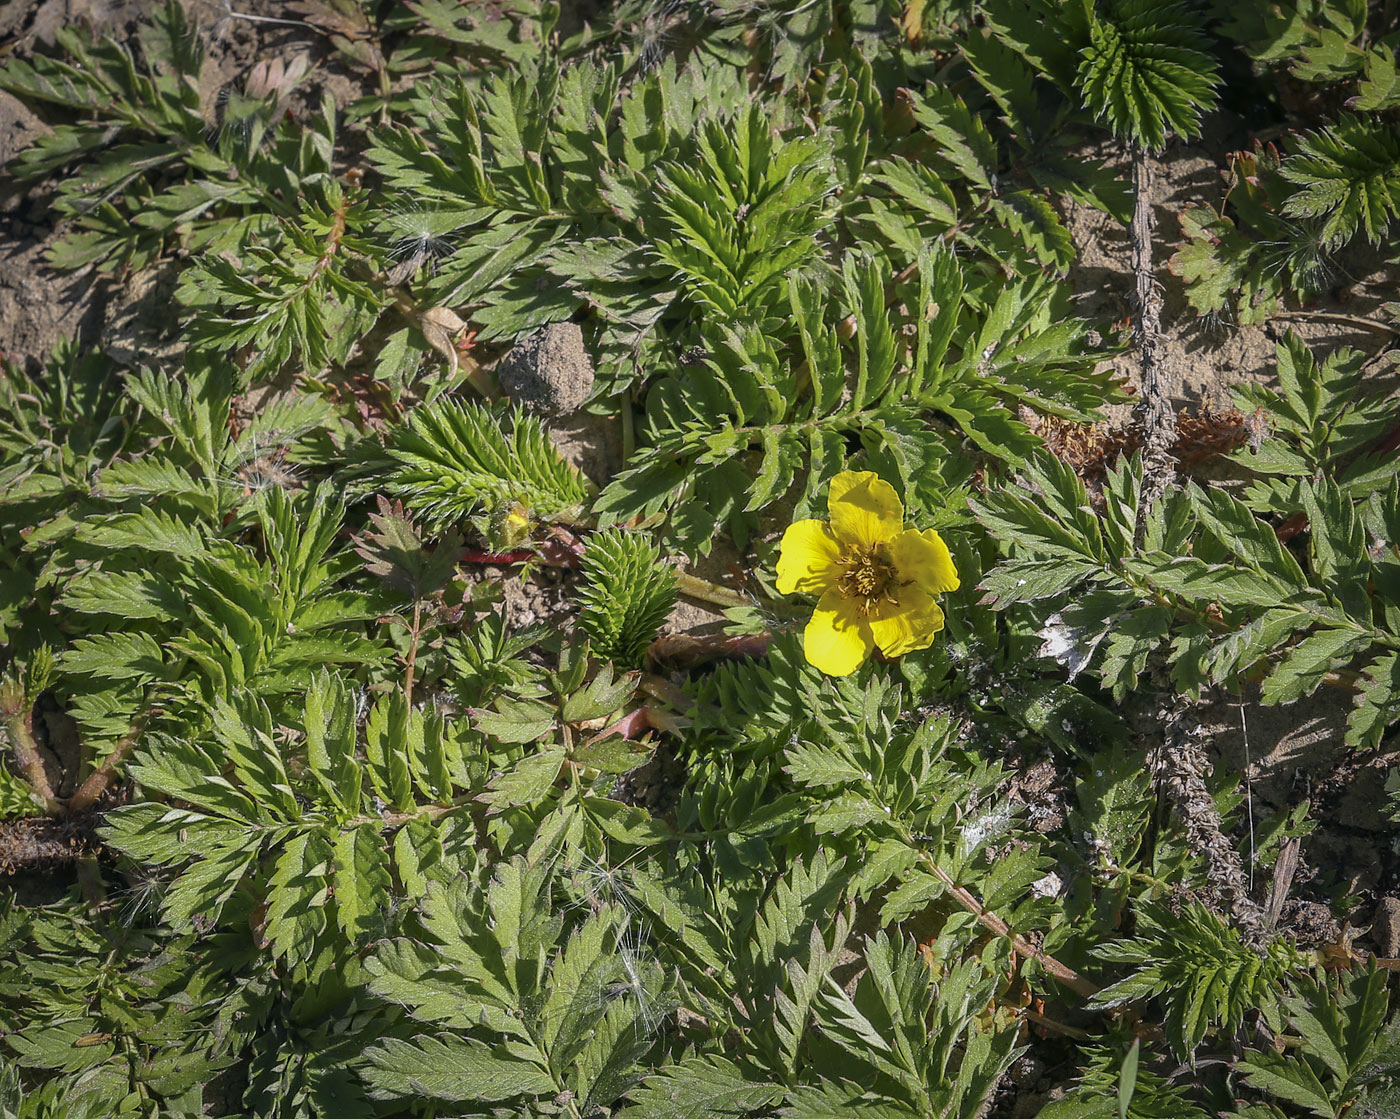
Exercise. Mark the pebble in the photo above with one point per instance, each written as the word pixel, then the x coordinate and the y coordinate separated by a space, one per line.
pixel 1385 927
pixel 549 371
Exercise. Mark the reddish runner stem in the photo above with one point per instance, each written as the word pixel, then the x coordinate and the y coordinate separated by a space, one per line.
pixel 1019 944
pixel 98 781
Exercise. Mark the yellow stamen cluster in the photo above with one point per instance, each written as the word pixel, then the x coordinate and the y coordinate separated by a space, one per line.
pixel 867 576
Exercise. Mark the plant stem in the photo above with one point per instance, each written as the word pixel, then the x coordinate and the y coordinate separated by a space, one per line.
pixel 19 728
pixel 398 819
pixel 1155 411
pixel 271 19
pixel 1181 765
pixel 1339 319
pixel 692 586
pixel 1019 944
pixel 1054 1026
pixel 91 790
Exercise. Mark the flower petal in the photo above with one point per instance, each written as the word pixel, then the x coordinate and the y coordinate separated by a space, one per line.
pixel 909 624
pixel 837 639
pixel 864 508
pixel 924 558
pixel 807 559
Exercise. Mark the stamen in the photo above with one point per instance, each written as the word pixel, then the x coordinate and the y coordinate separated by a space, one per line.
pixel 868 577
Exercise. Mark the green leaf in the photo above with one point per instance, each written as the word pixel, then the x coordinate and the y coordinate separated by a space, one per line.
pixel 613 755
pixel 1131 641
pixel 1349 173
pixel 527 783
pixel 1302 670
pixel 1147 71
pixel 1127 1080
pixel 1027 580
pixel 703 1087
pixel 150 530
pixel 298 890
pixel 455 458
pixel 454 1069
pixel 1202 582
pixel 1377 703
pixel 962 139
pixel 626 823
pixel 362 883
pixel 627 594
pixel 116 656
pixel 1115 801
pixel 1232 523
pixel 516 720
pixel 1380 89
pixel 1289 1080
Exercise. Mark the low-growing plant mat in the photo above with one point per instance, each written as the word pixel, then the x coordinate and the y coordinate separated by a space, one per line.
pixel 739 558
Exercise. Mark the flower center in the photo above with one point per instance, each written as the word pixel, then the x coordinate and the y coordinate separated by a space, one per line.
pixel 867 576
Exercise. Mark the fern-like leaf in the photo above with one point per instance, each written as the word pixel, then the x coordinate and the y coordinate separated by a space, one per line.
pixel 1146 71
pixel 626 596
pixel 1350 175
pixel 1200 966
pixel 455 459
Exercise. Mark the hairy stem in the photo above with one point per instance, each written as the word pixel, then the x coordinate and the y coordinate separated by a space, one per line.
pixel 1019 944
pixel 19 729
pixel 1182 766
pixel 412 662
pixel 1154 411
pixel 101 778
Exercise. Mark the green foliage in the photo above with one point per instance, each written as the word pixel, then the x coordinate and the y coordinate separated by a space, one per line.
pixel 1145 71
pixel 1205 974
pixel 313 850
pixel 554 1006
pixel 290 291
pixel 710 237
pixel 626 596
pixel 56 433
pixel 16 798
pixel 745 218
pixel 1345 1051
pixel 400 810
pixel 1350 177
pixel 1287 213
pixel 455 458
pixel 911 386
pixel 103 1037
pixel 1212 583
pixel 1113 1087
pixel 151 168
pixel 1322 422
pixel 208 617
pixel 1246 266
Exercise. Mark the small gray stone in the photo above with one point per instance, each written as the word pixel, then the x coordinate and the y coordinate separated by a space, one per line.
pixel 548 371
pixel 1385 927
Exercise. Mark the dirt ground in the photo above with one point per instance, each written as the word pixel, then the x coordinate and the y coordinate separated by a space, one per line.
pixel 1286 754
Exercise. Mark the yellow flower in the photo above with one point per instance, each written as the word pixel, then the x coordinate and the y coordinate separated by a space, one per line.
pixel 876 578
